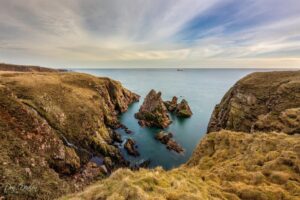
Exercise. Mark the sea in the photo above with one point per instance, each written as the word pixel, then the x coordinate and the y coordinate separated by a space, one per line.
pixel 202 88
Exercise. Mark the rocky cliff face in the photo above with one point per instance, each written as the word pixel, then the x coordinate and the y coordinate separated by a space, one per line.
pixel 267 101
pixel 153 112
pixel 227 164
pixel 51 126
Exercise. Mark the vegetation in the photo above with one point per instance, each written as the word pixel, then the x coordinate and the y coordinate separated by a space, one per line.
pixel 265 101
pixel 51 124
pixel 225 165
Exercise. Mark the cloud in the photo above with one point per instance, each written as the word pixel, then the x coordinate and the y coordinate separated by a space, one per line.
pixel 192 33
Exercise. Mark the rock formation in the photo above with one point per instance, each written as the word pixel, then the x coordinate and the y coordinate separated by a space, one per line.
pixel 51 124
pixel 153 112
pixel 171 105
pixel 268 101
pixel 130 147
pixel 183 109
pixel 167 139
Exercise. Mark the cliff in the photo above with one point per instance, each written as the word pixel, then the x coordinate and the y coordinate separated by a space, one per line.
pixel 52 125
pixel 26 68
pixel 228 164
pixel 265 101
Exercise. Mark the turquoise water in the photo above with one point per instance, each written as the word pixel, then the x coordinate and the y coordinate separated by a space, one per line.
pixel 202 88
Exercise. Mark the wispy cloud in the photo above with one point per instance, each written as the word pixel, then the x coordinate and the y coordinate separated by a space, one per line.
pixel 152 33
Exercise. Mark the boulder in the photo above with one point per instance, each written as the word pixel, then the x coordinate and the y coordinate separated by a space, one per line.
pixel 163 137
pixel 167 139
pixel 153 112
pixel 183 109
pixel 130 147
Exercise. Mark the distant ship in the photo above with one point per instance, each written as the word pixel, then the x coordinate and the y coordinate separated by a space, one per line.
pixel 179 70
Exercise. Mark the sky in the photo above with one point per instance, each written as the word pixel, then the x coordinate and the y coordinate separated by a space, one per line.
pixel 151 33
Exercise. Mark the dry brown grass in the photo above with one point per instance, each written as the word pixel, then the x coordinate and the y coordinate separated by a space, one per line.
pixel 36 111
pixel 225 165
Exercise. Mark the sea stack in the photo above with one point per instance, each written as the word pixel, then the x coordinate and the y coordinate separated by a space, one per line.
pixel 153 112
pixel 183 109
pixel 171 105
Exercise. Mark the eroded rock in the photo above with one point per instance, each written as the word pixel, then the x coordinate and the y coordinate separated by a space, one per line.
pixel 153 112
pixel 171 105
pixel 130 147
pixel 167 139
pixel 183 109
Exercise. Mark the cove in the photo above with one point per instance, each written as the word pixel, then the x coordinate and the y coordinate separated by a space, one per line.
pixel 202 88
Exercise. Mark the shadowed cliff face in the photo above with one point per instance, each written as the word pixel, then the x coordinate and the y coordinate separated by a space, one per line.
pixel 268 101
pixel 51 125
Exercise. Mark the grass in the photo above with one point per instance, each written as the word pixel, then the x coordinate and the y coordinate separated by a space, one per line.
pixel 225 165
pixel 36 110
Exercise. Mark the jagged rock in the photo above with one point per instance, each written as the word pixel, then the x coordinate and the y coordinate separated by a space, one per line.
pixel 130 147
pixel 268 101
pixel 153 112
pixel 167 139
pixel 163 137
pixel 171 105
pixel 183 109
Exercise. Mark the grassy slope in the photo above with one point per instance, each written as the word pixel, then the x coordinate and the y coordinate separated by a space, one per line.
pixel 36 110
pixel 225 165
